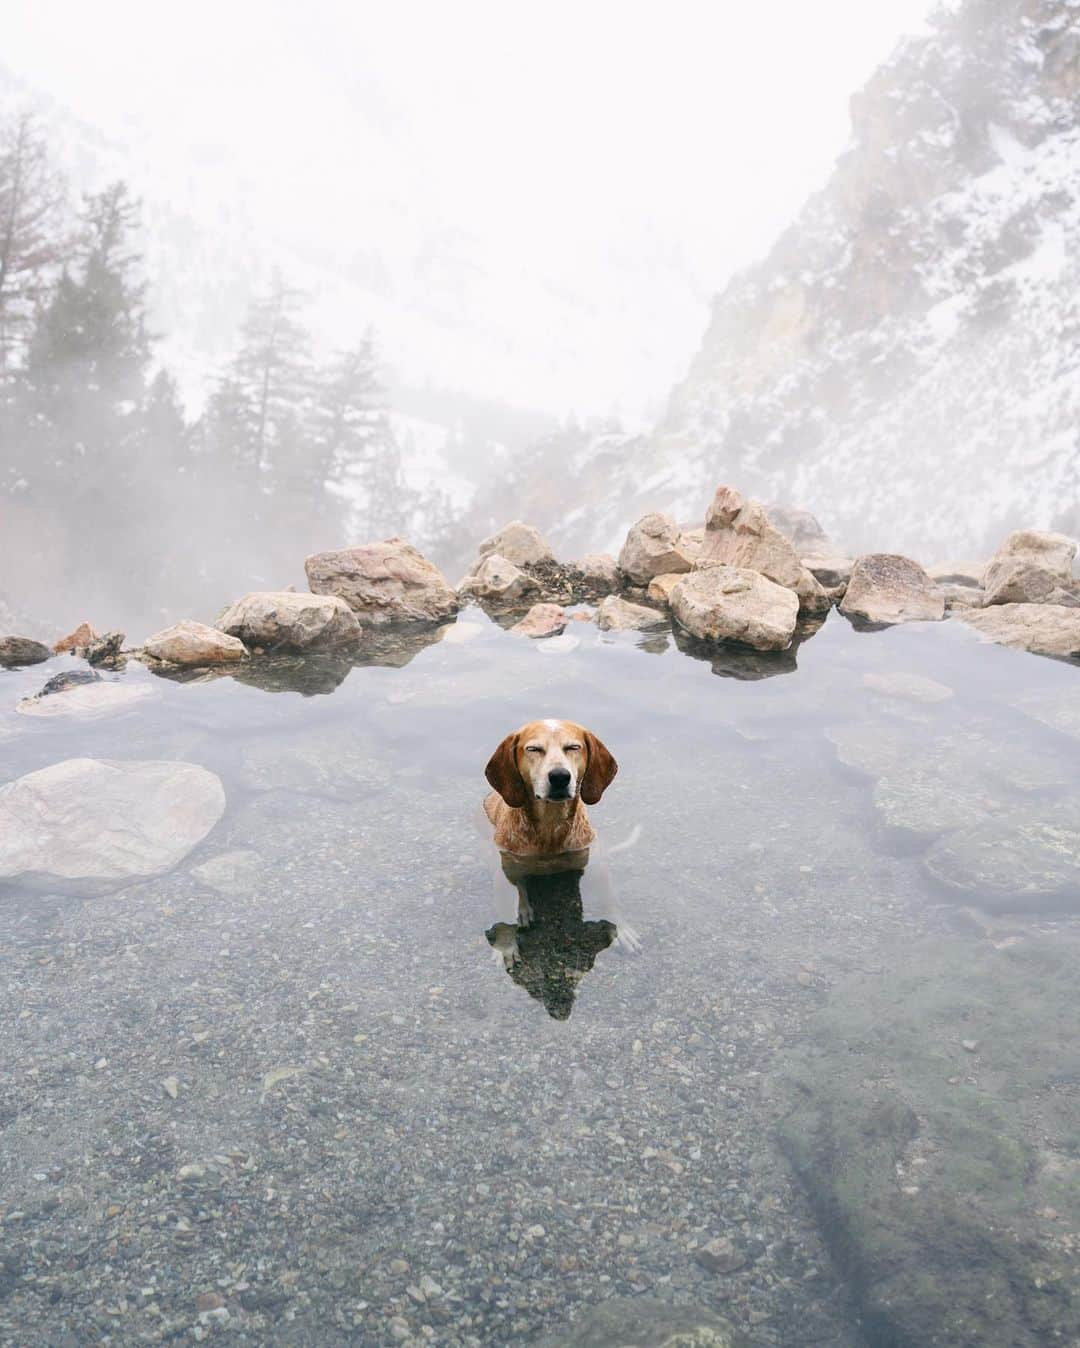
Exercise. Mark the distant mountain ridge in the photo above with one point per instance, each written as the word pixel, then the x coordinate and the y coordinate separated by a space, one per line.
pixel 905 361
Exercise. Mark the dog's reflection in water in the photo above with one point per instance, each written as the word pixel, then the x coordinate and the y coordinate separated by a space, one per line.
pixel 551 947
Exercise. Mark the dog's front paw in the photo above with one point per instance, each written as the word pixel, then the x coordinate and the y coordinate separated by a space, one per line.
pixel 525 912
pixel 504 946
pixel 627 939
pixel 506 956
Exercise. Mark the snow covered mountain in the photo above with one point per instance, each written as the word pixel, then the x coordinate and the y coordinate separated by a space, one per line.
pixel 905 362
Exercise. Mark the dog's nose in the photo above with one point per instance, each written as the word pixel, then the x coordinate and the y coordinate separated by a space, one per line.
pixel 558 779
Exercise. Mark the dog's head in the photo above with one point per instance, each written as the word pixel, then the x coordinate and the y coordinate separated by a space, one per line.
pixel 551 761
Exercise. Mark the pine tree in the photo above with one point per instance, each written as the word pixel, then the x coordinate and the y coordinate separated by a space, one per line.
pixel 87 357
pixel 266 387
pixel 32 242
pixel 356 446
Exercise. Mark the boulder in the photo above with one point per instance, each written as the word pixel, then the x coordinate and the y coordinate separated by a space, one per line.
pixel 498 581
pixel 1043 629
pixel 86 701
pixel 192 643
pixel 727 603
pixel 886 588
pixel 930 1114
pixel 542 620
pixel 829 572
pixel 519 543
pixel 1014 580
pixel 1028 860
pixel 68 679
pixel 660 587
pixel 654 547
pixel 927 781
pixel 618 615
pixel 280 620
pixel 691 541
pixel 76 643
pixel 738 533
pixel 106 650
pixel 15 651
pixel 1050 552
pixel 599 572
pixel 801 529
pixel 387 582
pixel 87 825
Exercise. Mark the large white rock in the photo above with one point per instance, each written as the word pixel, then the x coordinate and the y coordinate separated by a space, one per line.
pixel 888 588
pixel 1044 629
pixel 386 582
pixel 654 547
pixel 91 824
pixel 739 533
pixel 191 643
pixel 727 603
pixel 520 543
pixel 283 620
pixel 498 581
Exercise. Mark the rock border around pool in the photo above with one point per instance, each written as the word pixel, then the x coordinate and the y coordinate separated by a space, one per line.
pixel 747 577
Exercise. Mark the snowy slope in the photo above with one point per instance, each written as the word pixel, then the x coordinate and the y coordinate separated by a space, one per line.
pixel 906 360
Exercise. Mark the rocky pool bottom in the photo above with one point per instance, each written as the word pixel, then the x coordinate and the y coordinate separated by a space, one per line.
pixel 282 1094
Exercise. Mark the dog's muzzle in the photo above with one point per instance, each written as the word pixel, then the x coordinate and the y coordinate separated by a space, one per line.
pixel 558 784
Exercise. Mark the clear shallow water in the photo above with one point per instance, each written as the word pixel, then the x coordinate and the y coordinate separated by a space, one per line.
pixel 365 1102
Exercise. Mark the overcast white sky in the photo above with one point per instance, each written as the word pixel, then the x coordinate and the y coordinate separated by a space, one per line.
pixel 677 136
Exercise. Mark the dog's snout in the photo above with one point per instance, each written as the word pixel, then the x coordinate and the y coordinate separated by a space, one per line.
pixel 559 779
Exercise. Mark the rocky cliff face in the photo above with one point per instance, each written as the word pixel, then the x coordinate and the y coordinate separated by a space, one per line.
pixel 906 360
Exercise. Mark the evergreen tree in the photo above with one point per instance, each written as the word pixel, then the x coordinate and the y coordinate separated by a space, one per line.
pixel 32 243
pixel 356 448
pixel 87 357
pixel 253 414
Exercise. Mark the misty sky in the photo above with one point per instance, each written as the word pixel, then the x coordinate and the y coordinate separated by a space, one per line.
pixel 599 148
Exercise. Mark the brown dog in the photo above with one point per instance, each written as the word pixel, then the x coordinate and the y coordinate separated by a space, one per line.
pixel 544 775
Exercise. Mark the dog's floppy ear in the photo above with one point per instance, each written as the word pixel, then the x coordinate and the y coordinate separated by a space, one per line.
pixel 502 773
pixel 600 770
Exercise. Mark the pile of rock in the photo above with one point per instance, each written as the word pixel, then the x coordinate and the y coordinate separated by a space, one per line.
pixel 656 546
pixel 353 590
pixel 739 579
pixel 516 566
pixel 1029 599
pixel 751 576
